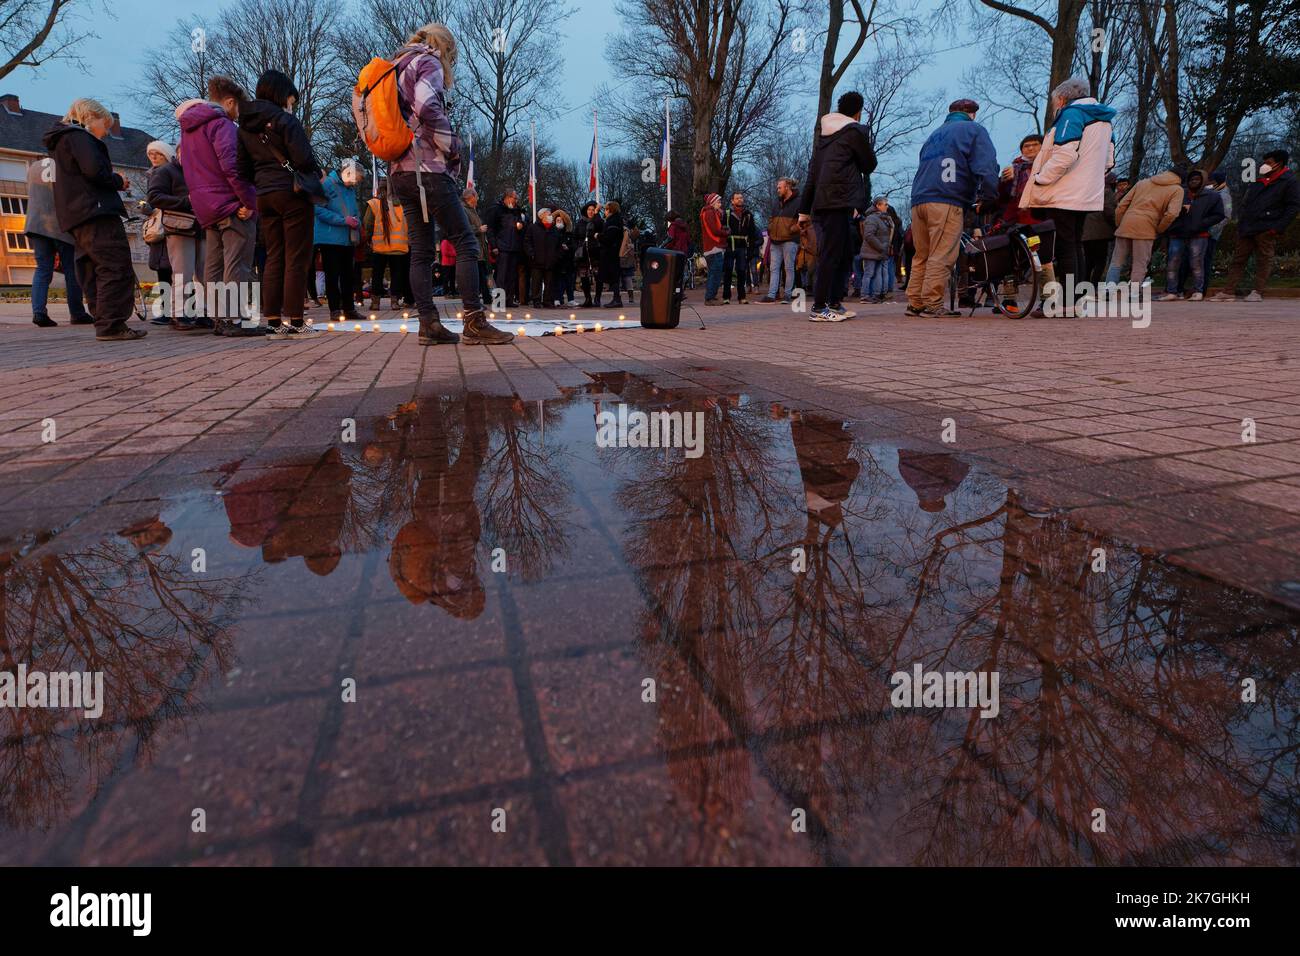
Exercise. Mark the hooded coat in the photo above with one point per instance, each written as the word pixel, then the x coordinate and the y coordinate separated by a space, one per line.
pixel 1070 170
pixel 502 233
pixel 259 118
pixel 218 183
pixel 1204 211
pixel 332 227
pixel 85 186
pixel 839 173
pixel 1150 207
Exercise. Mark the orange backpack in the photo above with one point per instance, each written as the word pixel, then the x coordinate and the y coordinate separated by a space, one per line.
pixel 377 113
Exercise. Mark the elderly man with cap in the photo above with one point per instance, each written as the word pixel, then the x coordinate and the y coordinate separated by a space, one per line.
pixel 958 167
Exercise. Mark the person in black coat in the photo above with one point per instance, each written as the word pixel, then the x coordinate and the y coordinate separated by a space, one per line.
pixel 505 222
pixel 544 243
pixel 288 218
pixel 1268 206
pixel 611 241
pixel 167 191
pixel 839 182
pixel 87 205
pixel 587 255
pixel 743 240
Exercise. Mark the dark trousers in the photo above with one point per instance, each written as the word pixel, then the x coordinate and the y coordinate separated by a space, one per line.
pixel 1069 260
pixel 507 275
pixel 543 277
pixel 442 194
pixel 1262 246
pixel 737 261
pixel 45 249
pixel 1096 257
pixel 105 272
pixel 397 265
pixel 835 246
pixel 449 279
pixel 287 224
pixel 337 261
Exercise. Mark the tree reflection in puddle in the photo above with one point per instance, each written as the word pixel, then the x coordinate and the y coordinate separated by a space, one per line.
pixel 786 573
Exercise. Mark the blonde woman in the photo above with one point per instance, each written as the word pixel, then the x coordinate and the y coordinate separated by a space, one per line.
pixel 87 205
pixel 424 182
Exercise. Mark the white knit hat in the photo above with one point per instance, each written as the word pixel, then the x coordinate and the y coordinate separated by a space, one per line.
pixel 158 146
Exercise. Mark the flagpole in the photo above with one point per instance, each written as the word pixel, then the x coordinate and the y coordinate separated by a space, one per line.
pixel 668 151
pixel 595 139
pixel 532 169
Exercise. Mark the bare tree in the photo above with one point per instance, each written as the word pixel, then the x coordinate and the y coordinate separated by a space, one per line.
pixel 831 73
pixel 1062 28
pixel 33 32
pixel 508 61
pixel 247 38
pixel 1003 84
pixel 722 58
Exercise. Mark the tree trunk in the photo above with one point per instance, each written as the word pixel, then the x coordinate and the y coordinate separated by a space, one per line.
pixel 826 85
pixel 1065 43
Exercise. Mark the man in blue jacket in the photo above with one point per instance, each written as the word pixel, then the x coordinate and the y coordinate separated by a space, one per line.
pixel 958 166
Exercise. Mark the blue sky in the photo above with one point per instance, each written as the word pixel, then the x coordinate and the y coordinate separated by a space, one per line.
pixel 107 64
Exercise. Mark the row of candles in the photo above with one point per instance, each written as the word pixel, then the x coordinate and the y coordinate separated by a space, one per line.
pixel 559 329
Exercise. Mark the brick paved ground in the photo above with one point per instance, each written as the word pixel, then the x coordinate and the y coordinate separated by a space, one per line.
pixel 525 694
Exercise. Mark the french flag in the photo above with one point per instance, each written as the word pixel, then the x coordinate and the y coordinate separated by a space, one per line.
pixel 469 172
pixel 593 178
pixel 663 156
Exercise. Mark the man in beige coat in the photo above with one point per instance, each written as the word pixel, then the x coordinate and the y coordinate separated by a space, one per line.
pixel 1146 211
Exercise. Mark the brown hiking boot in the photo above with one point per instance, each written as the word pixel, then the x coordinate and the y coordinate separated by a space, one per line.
pixel 479 331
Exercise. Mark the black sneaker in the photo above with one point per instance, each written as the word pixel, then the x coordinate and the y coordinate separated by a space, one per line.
pixel 913 310
pixel 43 321
pixel 90 320
pixel 768 298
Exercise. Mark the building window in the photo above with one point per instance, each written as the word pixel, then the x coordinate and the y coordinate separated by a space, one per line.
pixel 17 242
pixel 13 205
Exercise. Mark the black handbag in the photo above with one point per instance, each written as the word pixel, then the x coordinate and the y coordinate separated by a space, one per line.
pixel 988 257
pixel 303 184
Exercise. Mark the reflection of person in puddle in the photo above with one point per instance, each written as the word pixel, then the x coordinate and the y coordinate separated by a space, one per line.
pixel 932 475
pixel 148 535
pixel 434 555
pixel 823 447
pixel 288 522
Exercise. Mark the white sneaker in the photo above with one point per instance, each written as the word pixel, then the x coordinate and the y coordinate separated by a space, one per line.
pixel 1254 297
pixel 822 315
pixel 1169 297
pixel 842 312
pixel 1196 297
pixel 1223 297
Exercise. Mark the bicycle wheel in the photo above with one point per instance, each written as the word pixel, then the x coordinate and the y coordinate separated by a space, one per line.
pixel 1017 291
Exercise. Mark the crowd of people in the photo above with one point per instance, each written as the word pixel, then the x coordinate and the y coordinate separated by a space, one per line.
pixel 1062 183
pixel 242 202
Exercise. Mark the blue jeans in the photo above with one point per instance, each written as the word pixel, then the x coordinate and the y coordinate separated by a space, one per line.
pixel 861 270
pixel 714 279
pixel 45 248
pixel 781 256
pixel 1194 250
pixel 891 270
pixel 873 278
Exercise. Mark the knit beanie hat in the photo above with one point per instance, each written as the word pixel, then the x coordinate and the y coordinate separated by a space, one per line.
pixel 158 146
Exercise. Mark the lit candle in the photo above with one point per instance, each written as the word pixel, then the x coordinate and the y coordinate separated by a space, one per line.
pixel 403 326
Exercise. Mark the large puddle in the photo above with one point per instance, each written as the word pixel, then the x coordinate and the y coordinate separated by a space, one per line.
pixel 506 598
